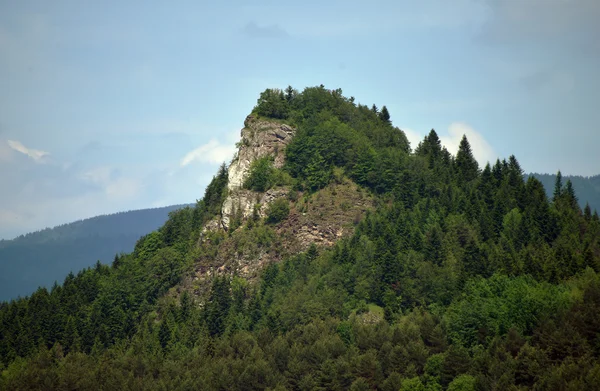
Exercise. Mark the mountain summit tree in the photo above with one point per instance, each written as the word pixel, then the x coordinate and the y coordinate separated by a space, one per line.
pixel 385 115
pixel 467 166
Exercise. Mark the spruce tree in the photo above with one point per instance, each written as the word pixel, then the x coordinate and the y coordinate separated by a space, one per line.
pixel 587 212
pixel 218 306
pixel 290 93
pixel 557 187
pixel 468 168
pixel 497 172
pixel 570 196
pixel 435 145
pixel 384 115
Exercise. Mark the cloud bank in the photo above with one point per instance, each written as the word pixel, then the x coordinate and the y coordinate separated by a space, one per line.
pixel 482 150
pixel 37 155
pixel 212 152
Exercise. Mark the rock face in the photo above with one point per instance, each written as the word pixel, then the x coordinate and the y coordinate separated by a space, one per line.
pixel 321 218
pixel 259 138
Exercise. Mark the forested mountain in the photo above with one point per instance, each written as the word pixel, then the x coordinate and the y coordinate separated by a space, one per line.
pixel 43 257
pixel 586 188
pixel 331 255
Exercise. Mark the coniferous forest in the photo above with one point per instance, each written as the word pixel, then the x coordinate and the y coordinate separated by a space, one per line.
pixel 459 277
pixel 42 257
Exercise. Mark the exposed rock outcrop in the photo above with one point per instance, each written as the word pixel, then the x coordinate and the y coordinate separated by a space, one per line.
pixel 259 138
pixel 321 218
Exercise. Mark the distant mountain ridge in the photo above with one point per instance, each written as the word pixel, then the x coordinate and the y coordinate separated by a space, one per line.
pixel 587 189
pixel 42 257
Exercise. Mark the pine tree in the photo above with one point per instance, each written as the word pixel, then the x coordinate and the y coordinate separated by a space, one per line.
pixel 486 186
pixel 497 172
pixel 116 261
pixel 431 147
pixel 164 333
pixel 433 245
pixel 435 145
pixel 218 306
pixel 570 196
pixel 468 168
pixel 587 212
pixel 71 339
pixel 384 115
pixel 558 187
pixel 290 93
pixel 186 306
pixel 473 260
pixel 255 308
pixel 317 172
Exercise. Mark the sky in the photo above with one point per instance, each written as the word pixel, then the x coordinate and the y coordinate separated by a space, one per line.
pixel 109 106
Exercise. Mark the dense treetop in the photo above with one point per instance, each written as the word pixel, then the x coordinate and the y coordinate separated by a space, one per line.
pixel 587 188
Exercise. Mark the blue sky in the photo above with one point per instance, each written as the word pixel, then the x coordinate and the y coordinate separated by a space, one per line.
pixel 113 105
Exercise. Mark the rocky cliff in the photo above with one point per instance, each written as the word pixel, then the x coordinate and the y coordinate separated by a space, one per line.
pixel 259 138
pixel 319 218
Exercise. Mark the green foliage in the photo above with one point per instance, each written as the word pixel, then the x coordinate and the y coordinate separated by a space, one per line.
pixel 42 257
pixel 586 188
pixel 261 176
pixel 211 203
pixel 457 279
pixel 218 306
pixel 384 115
pixel 334 132
pixel 413 384
pixel 274 104
pixel 465 161
pixel 278 211
pixel 463 383
pixel 492 306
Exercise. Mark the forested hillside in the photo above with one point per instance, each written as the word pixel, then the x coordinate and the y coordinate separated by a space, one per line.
pixel 452 277
pixel 586 188
pixel 43 257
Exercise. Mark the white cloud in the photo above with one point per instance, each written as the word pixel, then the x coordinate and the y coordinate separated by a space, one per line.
pixel 482 150
pixel 413 137
pixel 35 154
pixel 212 152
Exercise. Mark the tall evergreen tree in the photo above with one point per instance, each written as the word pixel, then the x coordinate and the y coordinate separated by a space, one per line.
pixel 467 166
pixel 218 306
pixel 587 212
pixel 570 196
pixel 497 172
pixel 385 115
pixel 558 187
pixel 290 93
